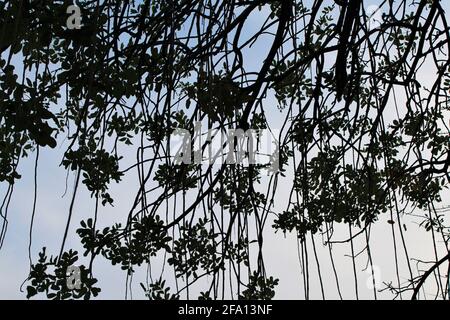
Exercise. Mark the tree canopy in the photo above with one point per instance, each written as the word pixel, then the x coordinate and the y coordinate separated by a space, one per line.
pixel 356 96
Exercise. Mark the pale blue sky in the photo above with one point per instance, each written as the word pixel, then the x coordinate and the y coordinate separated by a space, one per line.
pixel 280 252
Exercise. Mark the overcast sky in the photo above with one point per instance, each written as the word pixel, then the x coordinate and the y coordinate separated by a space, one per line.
pixel 281 252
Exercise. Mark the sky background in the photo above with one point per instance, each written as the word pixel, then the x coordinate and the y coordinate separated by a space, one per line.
pixel 280 251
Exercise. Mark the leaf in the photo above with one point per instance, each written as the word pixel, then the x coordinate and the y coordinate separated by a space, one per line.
pixel 31 291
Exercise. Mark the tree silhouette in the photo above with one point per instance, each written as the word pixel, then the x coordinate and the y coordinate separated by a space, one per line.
pixel 361 134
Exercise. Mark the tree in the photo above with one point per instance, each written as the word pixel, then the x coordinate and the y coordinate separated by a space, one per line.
pixel 135 71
